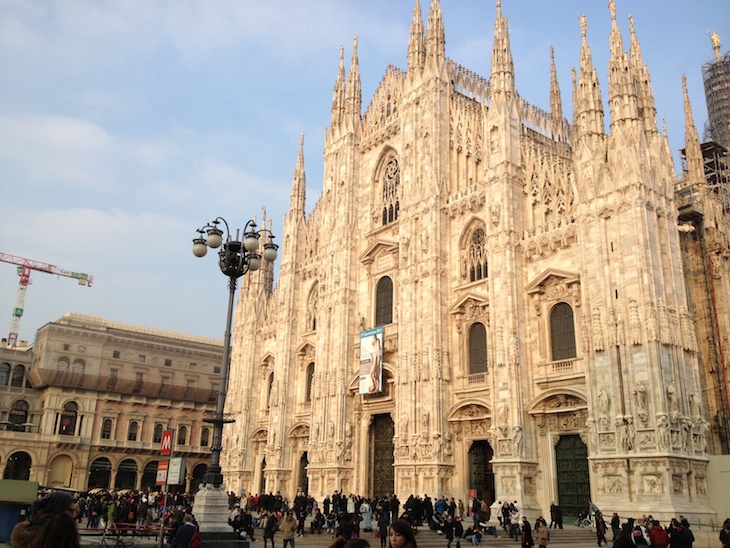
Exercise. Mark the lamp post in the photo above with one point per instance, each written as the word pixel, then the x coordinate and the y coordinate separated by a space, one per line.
pixel 237 256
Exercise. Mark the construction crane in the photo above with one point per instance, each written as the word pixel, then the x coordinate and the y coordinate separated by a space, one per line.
pixel 25 266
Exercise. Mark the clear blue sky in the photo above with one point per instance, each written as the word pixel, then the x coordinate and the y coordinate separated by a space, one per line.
pixel 127 124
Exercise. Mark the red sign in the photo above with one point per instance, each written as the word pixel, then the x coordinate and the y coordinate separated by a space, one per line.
pixel 166 448
pixel 161 472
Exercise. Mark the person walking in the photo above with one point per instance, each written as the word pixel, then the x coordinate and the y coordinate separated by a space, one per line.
pixel 527 541
pixel 288 528
pixel 600 529
pixel 543 535
pixel 271 525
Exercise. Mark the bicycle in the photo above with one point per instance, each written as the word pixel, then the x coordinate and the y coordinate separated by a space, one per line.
pixel 111 540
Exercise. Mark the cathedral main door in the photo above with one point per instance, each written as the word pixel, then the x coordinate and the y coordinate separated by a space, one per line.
pixel 481 475
pixel 574 487
pixel 382 474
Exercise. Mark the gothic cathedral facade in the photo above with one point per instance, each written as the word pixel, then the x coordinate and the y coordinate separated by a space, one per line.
pixel 537 340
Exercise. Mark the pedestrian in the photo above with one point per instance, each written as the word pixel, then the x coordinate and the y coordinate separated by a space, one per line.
pixel 543 535
pixel 288 527
pixel 52 524
pixel 383 526
pixel 658 536
pixel 448 529
pixel 615 526
pixel 600 529
pixel 271 525
pixel 527 541
pixel 401 535
pixel 725 534
pixel 184 533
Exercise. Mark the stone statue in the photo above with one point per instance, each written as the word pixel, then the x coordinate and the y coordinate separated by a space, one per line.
pixel 662 434
pixel 604 405
pixel 517 441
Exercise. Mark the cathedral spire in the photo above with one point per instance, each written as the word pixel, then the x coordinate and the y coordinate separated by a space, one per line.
pixel 436 41
pixel 298 184
pixel 693 151
pixel 642 82
pixel 621 95
pixel 502 73
pixel 353 92
pixel 416 42
pixel 587 102
pixel 338 96
pixel 556 103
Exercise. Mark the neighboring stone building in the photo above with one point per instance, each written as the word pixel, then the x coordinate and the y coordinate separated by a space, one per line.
pixel 538 340
pixel 86 405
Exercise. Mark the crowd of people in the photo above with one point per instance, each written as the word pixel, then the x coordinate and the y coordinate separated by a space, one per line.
pixel 55 518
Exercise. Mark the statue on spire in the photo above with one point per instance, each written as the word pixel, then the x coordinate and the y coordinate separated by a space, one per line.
pixel 715 39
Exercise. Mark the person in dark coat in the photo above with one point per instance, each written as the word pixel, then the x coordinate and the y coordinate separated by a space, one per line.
pixel 184 533
pixel 527 541
pixel 52 523
pixel 383 525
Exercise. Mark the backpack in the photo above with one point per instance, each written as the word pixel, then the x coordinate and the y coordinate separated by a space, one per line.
pixel 637 536
pixel 195 541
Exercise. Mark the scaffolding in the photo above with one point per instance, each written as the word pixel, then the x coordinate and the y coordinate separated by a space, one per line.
pixel 716 77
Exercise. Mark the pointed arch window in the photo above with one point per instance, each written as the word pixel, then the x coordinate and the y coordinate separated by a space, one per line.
pixel 562 332
pixel 310 378
pixel 391 191
pixel 477 349
pixel 384 302
pixel 477 256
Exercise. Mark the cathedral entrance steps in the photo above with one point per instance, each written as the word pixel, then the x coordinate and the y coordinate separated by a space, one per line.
pixel 570 536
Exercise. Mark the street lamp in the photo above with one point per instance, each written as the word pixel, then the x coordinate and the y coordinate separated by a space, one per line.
pixel 236 257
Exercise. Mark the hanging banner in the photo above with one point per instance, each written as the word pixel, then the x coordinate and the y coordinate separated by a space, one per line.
pixel 371 361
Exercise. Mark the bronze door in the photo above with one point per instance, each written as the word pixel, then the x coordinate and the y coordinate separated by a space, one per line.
pixel 574 486
pixel 481 475
pixel 382 473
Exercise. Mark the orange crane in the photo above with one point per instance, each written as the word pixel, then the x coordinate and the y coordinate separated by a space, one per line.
pixel 25 266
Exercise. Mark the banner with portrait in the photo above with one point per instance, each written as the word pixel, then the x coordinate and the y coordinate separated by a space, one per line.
pixel 371 361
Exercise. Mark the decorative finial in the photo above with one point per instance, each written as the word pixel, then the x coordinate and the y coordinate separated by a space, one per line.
pixel 583 25
pixel 612 9
pixel 354 42
pixel 631 24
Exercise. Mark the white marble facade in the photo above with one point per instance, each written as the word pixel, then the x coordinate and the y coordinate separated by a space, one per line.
pixel 480 208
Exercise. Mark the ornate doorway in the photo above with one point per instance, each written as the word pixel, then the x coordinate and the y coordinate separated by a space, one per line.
pixel 303 478
pixel 481 474
pixel 382 474
pixel 574 486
